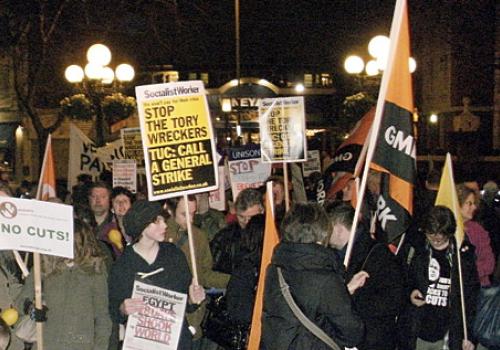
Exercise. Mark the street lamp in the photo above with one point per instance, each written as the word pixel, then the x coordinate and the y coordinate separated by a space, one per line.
pixel 95 78
pixel 378 48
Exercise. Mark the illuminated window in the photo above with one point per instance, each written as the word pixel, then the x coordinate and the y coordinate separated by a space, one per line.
pixel 326 79
pixel 308 80
pixel 192 76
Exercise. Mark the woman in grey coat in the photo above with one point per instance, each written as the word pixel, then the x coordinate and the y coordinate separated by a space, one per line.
pixel 76 295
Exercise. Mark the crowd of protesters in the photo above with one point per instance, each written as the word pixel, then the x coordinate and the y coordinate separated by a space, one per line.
pixel 425 295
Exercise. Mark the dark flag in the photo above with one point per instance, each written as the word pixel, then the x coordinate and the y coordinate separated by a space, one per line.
pixel 347 157
pixel 393 144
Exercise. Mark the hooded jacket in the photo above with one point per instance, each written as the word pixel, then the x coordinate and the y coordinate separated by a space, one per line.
pixel 317 286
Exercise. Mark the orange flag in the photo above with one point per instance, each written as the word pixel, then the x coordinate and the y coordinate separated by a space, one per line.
pixel 271 240
pixel 392 148
pixel 47 183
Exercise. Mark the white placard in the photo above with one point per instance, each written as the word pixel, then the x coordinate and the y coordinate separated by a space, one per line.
pixel 246 169
pixel 313 163
pixel 159 325
pixel 36 226
pixel 125 174
pixel 282 129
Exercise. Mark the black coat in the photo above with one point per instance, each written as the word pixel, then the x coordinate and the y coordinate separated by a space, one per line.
pixel 176 276
pixel 241 289
pixel 226 248
pixel 317 286
pixel 380 300
pixel 410 319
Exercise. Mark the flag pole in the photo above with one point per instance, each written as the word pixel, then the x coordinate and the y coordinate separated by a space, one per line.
pixel 459 240
pixel 285 180
pixel 191 241
pixel 462 300
pixel 37 271
pixel 395 31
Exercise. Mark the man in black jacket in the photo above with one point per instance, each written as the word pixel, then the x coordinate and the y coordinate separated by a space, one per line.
pixel 225 246
pixel 374 278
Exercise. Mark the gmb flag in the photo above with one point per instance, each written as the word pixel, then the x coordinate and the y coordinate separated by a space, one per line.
pixel 392 144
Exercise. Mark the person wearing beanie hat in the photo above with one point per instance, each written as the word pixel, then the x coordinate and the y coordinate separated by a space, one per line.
pixel 145 223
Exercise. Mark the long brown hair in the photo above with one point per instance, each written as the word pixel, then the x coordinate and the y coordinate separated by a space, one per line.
pixel 87 253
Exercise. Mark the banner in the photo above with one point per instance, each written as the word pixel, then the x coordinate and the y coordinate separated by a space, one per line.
pixel 282 129
pixel 36 226
pixel 132 145
pixel 47 184
pixel 111 151
pixel 158 326
pixel 177 138
pixel 125 174
pixel 313 163
pixel 86 158
pixel 392 148
pixel 246 168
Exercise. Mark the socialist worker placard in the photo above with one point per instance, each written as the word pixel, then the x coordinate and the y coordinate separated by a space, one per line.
pixel 177 138
pixel 282 129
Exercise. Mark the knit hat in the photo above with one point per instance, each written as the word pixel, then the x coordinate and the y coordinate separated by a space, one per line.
pixel 139 216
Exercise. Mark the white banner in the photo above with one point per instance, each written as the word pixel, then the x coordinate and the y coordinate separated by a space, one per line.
pixel 86 158
pixel 158 326
pixel 125 174
pixel 36 226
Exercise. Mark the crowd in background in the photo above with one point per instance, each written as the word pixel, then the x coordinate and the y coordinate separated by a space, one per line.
pixel 383 300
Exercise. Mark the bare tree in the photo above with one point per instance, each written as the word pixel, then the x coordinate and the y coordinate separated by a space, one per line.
pixel 29 28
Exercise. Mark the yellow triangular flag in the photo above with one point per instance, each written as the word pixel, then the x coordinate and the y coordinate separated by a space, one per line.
pixel 447 196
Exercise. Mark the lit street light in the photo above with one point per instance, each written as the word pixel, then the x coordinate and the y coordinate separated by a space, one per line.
pixel 378 48
pixel 96 81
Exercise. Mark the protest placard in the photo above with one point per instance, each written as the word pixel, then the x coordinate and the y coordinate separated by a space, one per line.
pixel 246 169
pixel 282 129
pixel 313 163
pixel 178 140
pixel 217 198
pixel 125 174
pixel 132 145
pixel 158 326
pixel 36 226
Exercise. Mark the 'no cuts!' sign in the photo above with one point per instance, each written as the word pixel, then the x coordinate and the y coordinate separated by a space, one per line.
pixel 36 226
pixel 177 138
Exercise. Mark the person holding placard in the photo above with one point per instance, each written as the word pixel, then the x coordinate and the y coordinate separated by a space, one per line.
pixel 164 263
pixel 177 234
pixel 75 293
